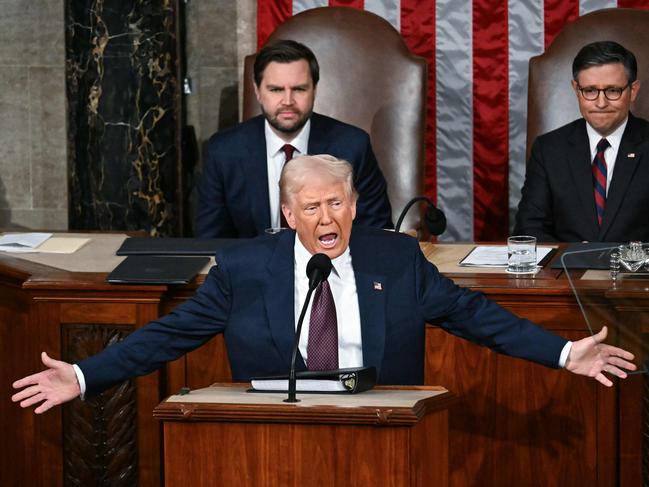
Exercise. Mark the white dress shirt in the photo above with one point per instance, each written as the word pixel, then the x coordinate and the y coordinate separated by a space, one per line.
pixel 343 287
pixel 610 154
pixel 275 159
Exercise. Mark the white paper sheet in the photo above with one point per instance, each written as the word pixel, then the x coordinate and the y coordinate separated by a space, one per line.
pixel 496 256
pixel 22 242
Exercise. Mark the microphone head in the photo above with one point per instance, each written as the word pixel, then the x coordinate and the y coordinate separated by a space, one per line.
pixel 318 269
pixel 435 220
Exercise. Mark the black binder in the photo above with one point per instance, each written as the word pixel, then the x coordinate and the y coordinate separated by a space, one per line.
pixel 174 246
pixel 589 255
pixel 150 269
pixel 351 380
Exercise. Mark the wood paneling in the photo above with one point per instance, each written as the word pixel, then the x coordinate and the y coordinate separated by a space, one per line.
pixel 514 423
pixel 99 434
pixel 316 446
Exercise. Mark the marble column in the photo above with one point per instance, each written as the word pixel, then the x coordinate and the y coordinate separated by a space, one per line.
pixel 122 92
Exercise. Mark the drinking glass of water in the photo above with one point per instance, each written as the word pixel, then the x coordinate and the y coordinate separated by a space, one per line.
pixel 521 254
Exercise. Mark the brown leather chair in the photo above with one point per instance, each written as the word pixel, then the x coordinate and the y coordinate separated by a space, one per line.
pixel 551 100
pixel 368 78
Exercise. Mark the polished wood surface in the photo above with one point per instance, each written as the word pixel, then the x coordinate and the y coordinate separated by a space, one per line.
pixel 514 423
pixel 285 444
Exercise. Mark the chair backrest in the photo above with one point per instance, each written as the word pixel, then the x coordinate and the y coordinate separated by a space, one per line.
pixel 551 102
pixel 368 78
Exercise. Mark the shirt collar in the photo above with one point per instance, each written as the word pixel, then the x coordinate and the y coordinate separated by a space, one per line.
pixel 613 138
pixel 302 256
pixel 274 143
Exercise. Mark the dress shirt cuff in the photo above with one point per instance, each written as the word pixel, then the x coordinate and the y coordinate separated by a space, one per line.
pixel 564 354
pixel 82 381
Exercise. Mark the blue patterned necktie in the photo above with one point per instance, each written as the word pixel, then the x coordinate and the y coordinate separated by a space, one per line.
pixel 322 348
pixel 599 179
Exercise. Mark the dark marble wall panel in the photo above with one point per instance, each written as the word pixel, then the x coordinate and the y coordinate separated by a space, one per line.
pixel 122 114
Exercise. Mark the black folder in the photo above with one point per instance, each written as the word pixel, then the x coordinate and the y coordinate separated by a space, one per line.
pixel 589 255
pixel 173 246
pixel 151 269
pixel 349 380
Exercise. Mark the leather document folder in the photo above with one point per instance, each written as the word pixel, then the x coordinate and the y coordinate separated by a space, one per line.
pixel 350 380
pixel 151 269
pixel 588 255
pixel 173 246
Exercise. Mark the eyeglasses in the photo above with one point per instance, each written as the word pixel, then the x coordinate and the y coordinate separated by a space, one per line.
pixel 611 93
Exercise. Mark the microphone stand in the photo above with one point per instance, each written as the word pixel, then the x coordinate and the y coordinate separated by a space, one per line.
pixel 292 381
pixel 433 218
pixel 405 211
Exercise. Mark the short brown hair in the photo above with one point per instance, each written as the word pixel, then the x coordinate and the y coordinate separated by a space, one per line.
pixel 285 51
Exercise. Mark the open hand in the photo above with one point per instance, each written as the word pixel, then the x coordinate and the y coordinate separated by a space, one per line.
pixel 591 357
pixel 54 386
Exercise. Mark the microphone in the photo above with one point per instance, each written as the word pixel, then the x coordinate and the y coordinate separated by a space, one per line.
pixel 317 270
pixel 434 218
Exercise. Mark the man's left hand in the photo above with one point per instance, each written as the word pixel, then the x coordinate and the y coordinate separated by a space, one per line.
pixel 591 357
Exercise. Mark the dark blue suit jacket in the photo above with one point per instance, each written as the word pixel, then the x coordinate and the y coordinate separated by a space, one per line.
pixel 233 192
pixel 558 203
pixel 249 297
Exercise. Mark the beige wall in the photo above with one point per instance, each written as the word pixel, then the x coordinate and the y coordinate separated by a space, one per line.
pixel 33 179
pixel 219 35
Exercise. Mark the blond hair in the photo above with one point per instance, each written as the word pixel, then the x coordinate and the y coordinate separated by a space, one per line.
pixel 298 171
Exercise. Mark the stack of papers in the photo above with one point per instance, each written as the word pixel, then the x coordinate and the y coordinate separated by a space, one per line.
pixel 40 243
pixel 496 256
pixel 22 242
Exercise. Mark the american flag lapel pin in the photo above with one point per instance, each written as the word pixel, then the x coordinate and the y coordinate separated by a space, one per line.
pixel 378 286
pixel 631 155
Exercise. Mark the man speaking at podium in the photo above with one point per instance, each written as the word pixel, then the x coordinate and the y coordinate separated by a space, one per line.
pixel 371 311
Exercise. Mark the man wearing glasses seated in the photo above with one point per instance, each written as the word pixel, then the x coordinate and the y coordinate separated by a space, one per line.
pixel 589 180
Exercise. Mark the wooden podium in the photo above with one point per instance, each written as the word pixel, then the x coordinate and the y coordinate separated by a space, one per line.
pixel 223 435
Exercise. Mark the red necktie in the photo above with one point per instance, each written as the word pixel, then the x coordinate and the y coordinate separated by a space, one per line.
pixel 288 150
pixel 599 179
pixel 322 348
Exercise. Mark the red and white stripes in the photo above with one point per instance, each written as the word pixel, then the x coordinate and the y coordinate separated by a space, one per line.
pixel 477 92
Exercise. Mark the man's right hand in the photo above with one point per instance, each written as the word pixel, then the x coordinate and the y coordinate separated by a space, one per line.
pixel 51 387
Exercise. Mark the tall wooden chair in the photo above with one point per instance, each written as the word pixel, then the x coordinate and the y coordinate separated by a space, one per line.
pixel 368 78
pixel 551 99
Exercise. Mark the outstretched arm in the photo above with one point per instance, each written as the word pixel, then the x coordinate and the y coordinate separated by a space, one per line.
pixel 591 357
pixel 51 387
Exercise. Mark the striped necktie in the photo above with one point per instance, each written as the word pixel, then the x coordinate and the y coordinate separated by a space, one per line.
pixel 599 179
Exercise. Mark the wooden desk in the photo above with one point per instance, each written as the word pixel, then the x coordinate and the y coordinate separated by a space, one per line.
pixel 389 436
pixel 514 423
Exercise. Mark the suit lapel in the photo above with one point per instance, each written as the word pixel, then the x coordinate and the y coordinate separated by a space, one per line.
pixel 628 157
pixel 279 296
pixel 256 174
pixel 319 136
pixel 580 167
pixel 371 287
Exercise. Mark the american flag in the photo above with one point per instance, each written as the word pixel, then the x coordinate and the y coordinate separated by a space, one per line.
pixel 477 53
